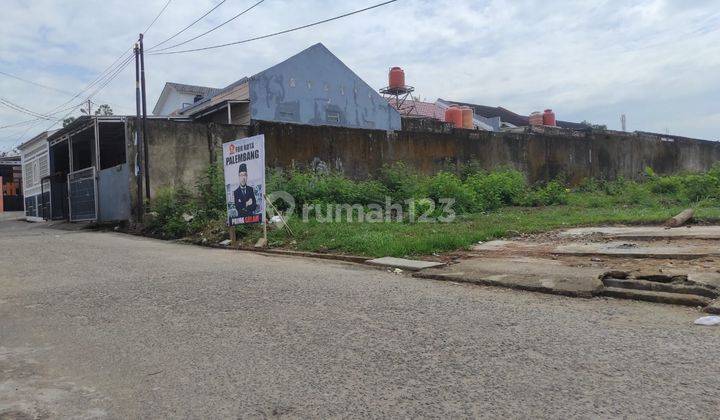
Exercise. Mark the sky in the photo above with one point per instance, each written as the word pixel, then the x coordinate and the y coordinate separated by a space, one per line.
pixel 656 61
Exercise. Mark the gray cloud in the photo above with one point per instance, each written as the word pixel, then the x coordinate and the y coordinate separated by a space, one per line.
pixel 655 60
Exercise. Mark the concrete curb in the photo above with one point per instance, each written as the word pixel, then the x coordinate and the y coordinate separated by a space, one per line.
pixel 628 294
pixel 515 286
pixel 335 257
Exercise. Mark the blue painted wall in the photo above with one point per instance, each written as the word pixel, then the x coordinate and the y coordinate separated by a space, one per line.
pixel 114 191
pixel 314 87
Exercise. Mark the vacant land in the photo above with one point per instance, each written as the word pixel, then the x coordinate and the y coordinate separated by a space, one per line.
pixel 487 205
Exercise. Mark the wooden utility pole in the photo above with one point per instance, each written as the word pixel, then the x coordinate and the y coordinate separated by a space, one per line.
pixel 146 149
pixel 139 208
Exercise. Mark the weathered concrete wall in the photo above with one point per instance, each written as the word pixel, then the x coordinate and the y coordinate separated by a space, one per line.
pixel 179 152
pixel 314 87
pixel 541 156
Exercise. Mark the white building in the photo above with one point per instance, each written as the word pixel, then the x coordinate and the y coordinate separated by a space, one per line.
pixel 34 156
pixel 178 96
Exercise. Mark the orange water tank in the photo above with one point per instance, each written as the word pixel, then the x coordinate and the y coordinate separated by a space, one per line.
pixel 535 118
pixel 549 117
pixel 397 77
pixel 467 117
pixel 454 115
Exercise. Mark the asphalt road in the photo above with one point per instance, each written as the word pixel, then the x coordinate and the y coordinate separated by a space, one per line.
pixel 96 325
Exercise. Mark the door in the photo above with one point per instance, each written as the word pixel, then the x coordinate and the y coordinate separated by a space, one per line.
pixel 82 195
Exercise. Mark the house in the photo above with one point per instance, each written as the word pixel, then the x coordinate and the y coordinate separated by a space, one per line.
pixel 11 198
pixel 508 118
pixel 412 108
pixel 312 87
pixel 178 96
pixel 94 163
pixel 35 174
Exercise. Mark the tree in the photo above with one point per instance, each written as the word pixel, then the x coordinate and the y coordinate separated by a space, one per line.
pixel 10 153
pixel 594 126
pixel 104 110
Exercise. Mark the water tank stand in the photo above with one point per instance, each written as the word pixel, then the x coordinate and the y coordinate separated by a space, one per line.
pixel 399 95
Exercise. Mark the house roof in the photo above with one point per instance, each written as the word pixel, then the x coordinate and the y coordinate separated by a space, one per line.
pixel 420 109
pixel 510 117
pixel 204 91
pixel 198 90
pixel 40 137
pixel 203 104
pixel 10 160
pixel 232 91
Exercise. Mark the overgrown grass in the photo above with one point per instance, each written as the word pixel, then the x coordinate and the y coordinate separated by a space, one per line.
pixel 489 205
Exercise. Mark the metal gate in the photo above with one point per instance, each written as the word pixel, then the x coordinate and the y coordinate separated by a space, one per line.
pixel 82 195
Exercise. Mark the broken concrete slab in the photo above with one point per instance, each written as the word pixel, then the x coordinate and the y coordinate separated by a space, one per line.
pixel 509 246
pixel 403 263
pixel 654 296
pixel 534 274
pixel 713 307
pixel 634 250
pixel 654 286
pixel 645 232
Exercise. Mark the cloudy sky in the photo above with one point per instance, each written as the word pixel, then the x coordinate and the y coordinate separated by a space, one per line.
pixel 657 61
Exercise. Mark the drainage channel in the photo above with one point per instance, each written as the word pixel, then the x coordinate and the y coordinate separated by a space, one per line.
pixel 677 290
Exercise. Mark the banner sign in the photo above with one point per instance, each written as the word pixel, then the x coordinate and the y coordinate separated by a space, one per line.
pixel 244 169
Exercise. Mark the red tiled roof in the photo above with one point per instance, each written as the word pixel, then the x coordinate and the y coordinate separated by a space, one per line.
pixel 420 109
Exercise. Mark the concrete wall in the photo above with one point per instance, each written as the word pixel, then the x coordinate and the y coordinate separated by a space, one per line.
pixel 313 87
pixel 541 156
pixel 179 152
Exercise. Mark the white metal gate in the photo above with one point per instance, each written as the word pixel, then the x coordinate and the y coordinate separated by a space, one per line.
pixel 82 195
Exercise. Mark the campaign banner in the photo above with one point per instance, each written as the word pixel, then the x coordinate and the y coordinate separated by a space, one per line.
pixel 244 170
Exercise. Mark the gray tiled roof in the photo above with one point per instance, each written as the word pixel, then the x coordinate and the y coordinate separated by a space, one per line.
pixel 197 90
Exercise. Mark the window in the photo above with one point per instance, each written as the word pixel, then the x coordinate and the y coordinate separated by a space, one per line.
pixel 28 175
pixel 36 173
pixel 44 167
pixel 333 117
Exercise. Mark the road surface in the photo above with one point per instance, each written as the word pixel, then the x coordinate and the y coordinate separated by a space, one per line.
pixel 105 325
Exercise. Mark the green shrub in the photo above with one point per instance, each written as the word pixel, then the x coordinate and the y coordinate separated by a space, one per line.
pixel 503 187
pixel 211 192
pixel 700 187
pixel 170 205
pixel 668 185
pixel 552 193
pixel 403 183
pixel 448 185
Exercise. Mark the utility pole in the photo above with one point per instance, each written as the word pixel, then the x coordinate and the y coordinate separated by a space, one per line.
pixel 139 208
pixel 89 110
pixel 144 120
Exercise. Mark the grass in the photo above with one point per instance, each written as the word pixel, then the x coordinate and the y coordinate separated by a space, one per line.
pixel 410 239
pixel 489 205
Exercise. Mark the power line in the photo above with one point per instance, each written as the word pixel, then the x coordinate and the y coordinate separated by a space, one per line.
pixel 102 76
pixel 35 83
pixel 275 33
pixel 17 124
pixel 157 17
pixel 106 81
pixel 213 29
pixel 189 26
pixel 22 109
